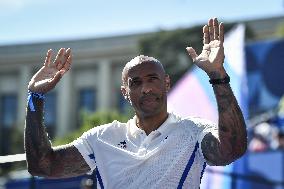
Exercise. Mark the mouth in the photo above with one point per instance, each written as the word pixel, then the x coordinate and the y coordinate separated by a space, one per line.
pixel 149 99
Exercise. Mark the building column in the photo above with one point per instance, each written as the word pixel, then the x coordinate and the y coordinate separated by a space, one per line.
pixel 65 107
pixel 24 78
pixel 104 85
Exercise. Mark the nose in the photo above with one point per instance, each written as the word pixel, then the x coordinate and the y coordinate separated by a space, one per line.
pixel 146 88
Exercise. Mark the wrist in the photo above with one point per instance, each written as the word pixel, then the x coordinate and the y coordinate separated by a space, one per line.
pixel 32 98
pixel 224 80
pixel 217 74
pixel 37 95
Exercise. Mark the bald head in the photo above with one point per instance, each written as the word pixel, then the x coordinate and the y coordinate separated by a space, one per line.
pixel 137 61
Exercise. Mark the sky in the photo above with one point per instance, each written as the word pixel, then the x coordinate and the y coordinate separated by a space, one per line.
pixel 32 21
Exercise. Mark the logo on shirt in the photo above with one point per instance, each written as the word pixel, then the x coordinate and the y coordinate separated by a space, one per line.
pixel 92 156
pixel 122 144
pixel 165 138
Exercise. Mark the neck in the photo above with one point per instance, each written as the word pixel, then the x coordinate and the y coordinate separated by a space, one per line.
pixel 151 123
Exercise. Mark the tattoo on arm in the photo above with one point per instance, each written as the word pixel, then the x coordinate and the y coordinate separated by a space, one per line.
pixel 232 140
pixel 67 162
pixel 42 159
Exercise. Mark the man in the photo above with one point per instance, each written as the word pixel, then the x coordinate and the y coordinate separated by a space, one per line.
pixel 155 149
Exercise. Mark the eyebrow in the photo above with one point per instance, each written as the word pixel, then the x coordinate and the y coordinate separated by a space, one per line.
pixel 153 74
pixel 131 79
pixel 149 75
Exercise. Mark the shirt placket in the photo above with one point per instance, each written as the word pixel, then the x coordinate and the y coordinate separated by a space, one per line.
pixel 146 143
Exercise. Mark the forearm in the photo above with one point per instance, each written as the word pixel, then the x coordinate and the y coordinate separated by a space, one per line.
pixel 231 124
pixel 43 160
pixel 231 141
pixel 37 144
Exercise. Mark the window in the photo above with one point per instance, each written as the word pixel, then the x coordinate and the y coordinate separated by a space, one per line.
pixel 8 110
pixel 87 100
pixel 8 117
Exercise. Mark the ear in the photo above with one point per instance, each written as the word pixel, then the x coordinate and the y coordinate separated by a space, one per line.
pixel 124 92
pixel 168 82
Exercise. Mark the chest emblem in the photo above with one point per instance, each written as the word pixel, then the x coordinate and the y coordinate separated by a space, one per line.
pixel 122 144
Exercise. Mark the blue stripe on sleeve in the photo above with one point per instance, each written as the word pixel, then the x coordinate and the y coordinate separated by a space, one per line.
pixel 188 166
pixel 202 172
pixel 98 175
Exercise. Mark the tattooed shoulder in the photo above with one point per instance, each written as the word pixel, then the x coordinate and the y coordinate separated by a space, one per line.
pixel 210 146
pixel 61 162
pixel 68 162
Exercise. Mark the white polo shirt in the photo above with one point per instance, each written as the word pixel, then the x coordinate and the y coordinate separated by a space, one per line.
pixel 125 157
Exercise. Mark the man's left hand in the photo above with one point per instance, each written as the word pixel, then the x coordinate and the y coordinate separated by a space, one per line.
pixel 212 56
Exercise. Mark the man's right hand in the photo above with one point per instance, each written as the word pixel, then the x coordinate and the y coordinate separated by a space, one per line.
pixel 51 72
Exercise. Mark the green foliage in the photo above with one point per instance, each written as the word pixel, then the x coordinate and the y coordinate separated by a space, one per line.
pixel 92 120
pixel 280 30
pixel 17 141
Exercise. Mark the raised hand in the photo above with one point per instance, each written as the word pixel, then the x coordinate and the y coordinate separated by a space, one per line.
pixel 212 56
pixel 51 72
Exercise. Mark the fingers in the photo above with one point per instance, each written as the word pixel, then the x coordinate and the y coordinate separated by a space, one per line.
pixel 65 58
pixel 221 32
pixel 192 53
pixel 59 58
pixel 48 57
pixel 62 58
pixel 68 62
pixel 213 31
pixel 205 34
pixel 61 72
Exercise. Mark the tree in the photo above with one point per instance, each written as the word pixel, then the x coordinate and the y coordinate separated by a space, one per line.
pixel 280 31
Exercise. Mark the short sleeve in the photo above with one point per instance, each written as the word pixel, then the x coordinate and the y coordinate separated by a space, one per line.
pixel 84 144
pixel 205 127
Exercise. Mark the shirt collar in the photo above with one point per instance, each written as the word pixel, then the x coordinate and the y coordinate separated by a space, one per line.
pixel 162 129
pixel 167 124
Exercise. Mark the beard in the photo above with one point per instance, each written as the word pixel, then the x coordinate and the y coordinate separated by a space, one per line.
pixel 152 104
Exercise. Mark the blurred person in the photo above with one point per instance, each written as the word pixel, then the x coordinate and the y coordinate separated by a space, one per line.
pixel 265 137
pixel 261 138
pixel 280 138
pixel 258 144
pixel 154 149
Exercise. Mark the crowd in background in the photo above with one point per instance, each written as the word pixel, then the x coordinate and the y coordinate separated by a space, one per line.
pixel 269 134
